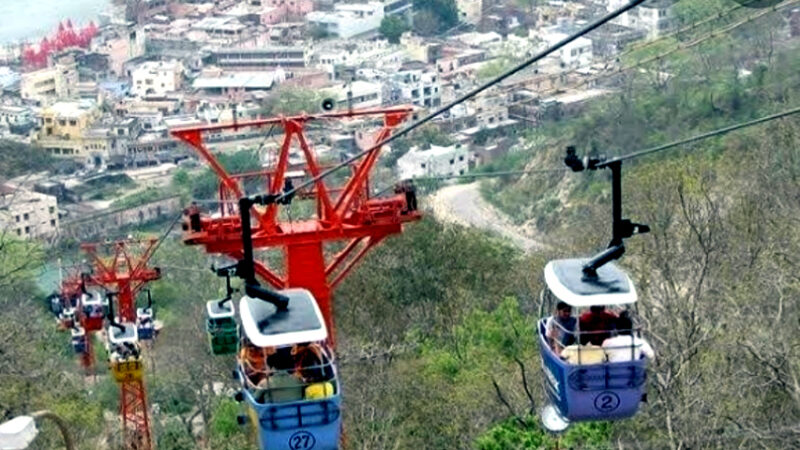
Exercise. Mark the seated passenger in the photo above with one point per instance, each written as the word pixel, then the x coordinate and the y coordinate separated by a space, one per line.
pixel 595 325
pixel 281 359
pixel 625 345
pixel 583 354
pixel 560 328
pixel 311 363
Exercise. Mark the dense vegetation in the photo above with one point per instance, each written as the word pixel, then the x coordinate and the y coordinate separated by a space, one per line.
pixel 17 158
pixel 435 327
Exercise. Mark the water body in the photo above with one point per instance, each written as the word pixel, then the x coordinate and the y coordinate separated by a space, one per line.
pixel 30 20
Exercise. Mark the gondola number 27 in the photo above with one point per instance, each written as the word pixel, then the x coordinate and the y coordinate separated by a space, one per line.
pixel 302 440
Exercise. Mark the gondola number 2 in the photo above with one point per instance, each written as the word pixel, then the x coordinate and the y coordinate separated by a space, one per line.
pixel 302 440
pixel 606 402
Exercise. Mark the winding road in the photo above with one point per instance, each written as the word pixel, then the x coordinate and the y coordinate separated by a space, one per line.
pixel 463 204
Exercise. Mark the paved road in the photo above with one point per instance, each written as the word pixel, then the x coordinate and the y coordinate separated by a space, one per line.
pixel 463 204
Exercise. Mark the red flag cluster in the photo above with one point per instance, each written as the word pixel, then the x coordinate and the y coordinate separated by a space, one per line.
pixel 65 37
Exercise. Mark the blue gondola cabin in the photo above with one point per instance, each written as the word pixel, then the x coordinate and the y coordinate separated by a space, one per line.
pixel 288 375
pixel 581 381
pixel 145 323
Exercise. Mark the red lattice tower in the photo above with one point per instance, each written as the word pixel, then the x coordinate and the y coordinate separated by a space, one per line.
pixel 344 213
pixel 122 267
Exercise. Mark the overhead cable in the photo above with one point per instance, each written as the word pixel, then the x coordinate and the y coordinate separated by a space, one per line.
pixel 701 137
pixel 587 29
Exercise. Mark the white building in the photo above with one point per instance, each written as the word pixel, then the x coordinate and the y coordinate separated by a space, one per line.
pixel 577 53
pixel 348 20
pixel 44 85
pixel 358 94
pixel 28 214
pixel 655 17
pixel 419 87
pixel 157 78
pixel 470 11
pixel 435 161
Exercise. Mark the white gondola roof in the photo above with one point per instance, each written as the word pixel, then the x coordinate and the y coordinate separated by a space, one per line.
pixel 566 281
pixel 265 326
pixel 215 312
pixel 92 298
pixel 115 336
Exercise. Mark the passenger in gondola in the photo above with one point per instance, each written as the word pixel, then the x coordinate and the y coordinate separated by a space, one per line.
pixel 561 328
pixel 311 363
pixel 625 346
pixel 281 359
pixel 596 325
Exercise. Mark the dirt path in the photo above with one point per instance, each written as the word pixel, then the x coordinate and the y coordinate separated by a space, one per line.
pixel 463 204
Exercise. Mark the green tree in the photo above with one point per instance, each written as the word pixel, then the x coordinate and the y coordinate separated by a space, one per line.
pixel 434 16
pixel 392 27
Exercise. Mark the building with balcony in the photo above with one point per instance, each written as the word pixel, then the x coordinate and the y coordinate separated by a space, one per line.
pixel 348 20
pixel 256 58
pixel 49 84
pixel 435 161
pixel 28 214
pixel 156 78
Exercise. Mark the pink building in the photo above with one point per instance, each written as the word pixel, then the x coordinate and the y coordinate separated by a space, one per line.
pixel 276 11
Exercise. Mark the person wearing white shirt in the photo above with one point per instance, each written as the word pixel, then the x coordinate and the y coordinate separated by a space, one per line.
pixel 625 345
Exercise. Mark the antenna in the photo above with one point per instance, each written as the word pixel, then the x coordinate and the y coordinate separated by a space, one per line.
pixel 621 228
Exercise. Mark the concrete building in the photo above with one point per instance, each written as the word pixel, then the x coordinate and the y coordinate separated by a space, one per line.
pixel 358 94
pixel 577 53
pixel 221 29
pixel 28 214
pixel 654 18
pixel 257 58
pixel 157 78
pixel 17 119
pixel 348 20
pixel 233 84
pixel 47 85
pixel 419 87
pixel 470 11
pixel 435 161
pixel 63 127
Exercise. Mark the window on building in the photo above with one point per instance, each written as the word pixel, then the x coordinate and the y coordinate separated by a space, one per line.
pixel 17 218
pixel 26 216
pixel 461 158
pixel 422 165
pixel 52 209
pixel 452 161
pixel 27 230
pixel 73 123
pixel 52 222
pixel 19 232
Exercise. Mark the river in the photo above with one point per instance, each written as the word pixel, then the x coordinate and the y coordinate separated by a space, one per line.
pixel 33 19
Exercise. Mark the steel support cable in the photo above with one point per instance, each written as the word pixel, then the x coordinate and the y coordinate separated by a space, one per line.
pixel 164 236
pixel 687 45
pixel 701 137
pixel 664 54
pixel 586 30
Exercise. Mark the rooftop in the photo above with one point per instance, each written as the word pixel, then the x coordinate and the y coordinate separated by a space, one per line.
pixel 245 80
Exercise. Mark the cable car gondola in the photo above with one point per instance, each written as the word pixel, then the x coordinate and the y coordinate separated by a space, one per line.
pixel 145 320
pixel 124 351
pixel 221 326
pixel 95 308
pixel 287 372
pixel 78 339
pixel 581 381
